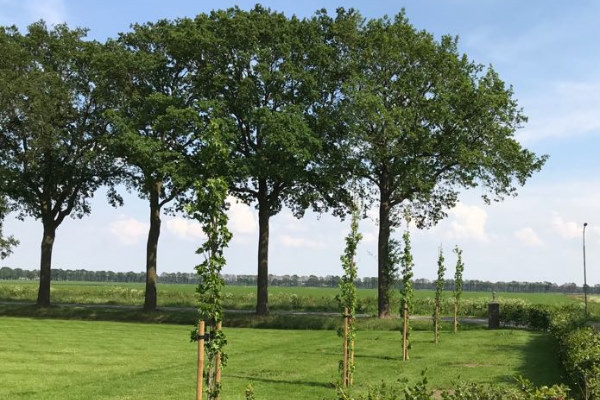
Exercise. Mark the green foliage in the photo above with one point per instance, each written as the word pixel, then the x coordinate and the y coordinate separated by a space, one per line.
pixel 210 210
pixel 458 275
pixel 402 390
pixel 6 243
pixel 50 102
pixel 458 284
pixel 579 351
pixel 407 264
pixel 439 288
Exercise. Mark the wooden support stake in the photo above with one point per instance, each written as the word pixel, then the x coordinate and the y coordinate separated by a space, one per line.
pixel 351 359
pixel 218 362
pixel 455 317
pixel 345 362
pixel 435 324
pixel 200 360
pixel 405 335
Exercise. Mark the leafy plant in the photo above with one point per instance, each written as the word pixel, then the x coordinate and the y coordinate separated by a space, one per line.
pixel 348 297
pixel 458 285
pixel 210 210
pixel 439 288
pixel 406 292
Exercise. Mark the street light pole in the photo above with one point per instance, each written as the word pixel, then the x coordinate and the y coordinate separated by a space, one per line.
pixel 584 273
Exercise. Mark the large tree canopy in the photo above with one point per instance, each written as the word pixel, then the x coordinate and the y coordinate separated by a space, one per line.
pixel 264 71
pixel 51 158
pixel 158 128
pixel 427 122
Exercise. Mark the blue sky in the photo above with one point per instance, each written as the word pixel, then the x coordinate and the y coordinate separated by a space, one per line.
pixel 549 51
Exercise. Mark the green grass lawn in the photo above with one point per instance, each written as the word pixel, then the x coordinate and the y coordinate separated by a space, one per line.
pixel 57 359
pixel 244 297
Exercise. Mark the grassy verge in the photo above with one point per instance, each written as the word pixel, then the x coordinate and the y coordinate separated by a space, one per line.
pixel 189 317
pixel 58 359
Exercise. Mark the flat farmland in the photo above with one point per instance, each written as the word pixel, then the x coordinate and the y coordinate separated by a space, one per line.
pixel 244 297
pixel 57 359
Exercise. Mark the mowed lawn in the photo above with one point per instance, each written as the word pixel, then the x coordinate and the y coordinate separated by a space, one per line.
pixel 57 359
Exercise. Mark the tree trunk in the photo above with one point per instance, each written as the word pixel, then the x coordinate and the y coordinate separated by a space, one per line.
pixel 262 287
pixel 383 285
pixel 43 299
pixel 152 247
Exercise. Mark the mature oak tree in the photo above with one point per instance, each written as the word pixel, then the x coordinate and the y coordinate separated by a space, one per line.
pixel 427 122
pixel 51 156
pixel 263 69
pixel 158 127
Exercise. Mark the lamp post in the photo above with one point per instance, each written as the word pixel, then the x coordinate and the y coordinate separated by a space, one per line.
pixel 584 273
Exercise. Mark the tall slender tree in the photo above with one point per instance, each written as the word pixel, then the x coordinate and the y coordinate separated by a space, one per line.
pixel 158 128
pixel 406 290
pixel 439 288
pixel 52 157
pixel 264 69
pixel 348 296
pixel 428 122
pixel 458 284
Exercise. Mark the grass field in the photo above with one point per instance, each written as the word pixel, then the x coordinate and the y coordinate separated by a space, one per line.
pixel 57 359
pixel 244 297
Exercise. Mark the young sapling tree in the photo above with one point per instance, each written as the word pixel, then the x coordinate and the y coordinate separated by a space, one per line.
pixel 406 292
pixel 439 288
pixel 210 210
pixel 458 284
pixel 348 298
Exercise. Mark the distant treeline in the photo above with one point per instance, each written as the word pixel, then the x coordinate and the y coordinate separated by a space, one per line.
pixel 7 273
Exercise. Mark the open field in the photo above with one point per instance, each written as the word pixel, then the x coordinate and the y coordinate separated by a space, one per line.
pixel 244 297
pixel 57 359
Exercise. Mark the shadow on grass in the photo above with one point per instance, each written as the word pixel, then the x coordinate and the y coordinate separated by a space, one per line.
pixel 541 364
pixel 252 378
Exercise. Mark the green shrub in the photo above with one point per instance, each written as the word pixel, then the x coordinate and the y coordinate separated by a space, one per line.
pixel 462 391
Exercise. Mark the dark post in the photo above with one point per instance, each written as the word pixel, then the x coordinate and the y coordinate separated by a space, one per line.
pixel 493 315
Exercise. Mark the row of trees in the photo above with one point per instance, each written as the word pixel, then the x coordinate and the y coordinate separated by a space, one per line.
pixel 289 112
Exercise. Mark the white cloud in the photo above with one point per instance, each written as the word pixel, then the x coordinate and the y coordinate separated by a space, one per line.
pixel 128 230
pixel 242 219
pixel 564 109
pixel 566 229
pixel 528 237
pixel 52 11
pixel 185 228
pixel 468 222
pixel 301 242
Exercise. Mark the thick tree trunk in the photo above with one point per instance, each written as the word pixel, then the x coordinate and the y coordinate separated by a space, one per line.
pixel 152 248
pixel 43 299
pixel 383 284
pixel 262 286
